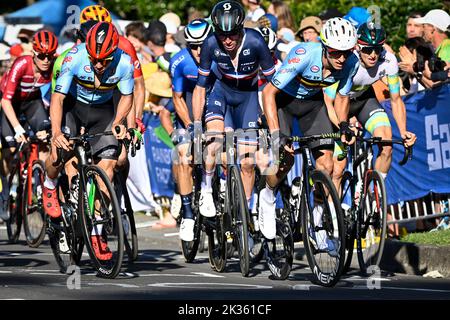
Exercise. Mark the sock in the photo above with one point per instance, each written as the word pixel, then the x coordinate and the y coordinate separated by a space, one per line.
pixel 186 201
pixel 50 183
pixel 268 192
pixel 384 175
pixel 207 180
pixel 98 228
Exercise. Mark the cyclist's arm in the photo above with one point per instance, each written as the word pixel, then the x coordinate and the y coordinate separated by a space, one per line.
pixel 166 120
pixel 266 61
pixel 131 117
pixel 270 107
pixel 204 70
pixel 139 96
pixel 342 99
pixel 56 112
pixel 181 108
pixel 198 102
pixel 15 75
pixel 10 114
pixel 329 94
pixel 398 106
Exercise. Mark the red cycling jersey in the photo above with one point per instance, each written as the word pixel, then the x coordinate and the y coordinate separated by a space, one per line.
pixel 19 83
pixel 126 46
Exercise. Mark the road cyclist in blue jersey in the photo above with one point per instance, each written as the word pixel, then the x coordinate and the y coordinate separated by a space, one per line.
pixel 296 90
pixel 239 54
pixel 83 97
pixel 184 72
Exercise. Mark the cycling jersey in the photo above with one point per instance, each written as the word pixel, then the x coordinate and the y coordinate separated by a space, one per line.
pixel 184 72
pixel 77 76
pixel 20 83
pixel 386 66
pixel 300 75
pixel 126 46
pixel 57 67
pixel 252 54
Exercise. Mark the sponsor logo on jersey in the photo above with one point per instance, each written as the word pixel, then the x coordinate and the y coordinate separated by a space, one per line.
pixel 87 68
pixel 315 69
pixel 137 64
pixel 252 124
pixel 113 79
pixel 67 59
pixel 74 50
pixel 246 52
pixel 58 87
pixel 287 70
pixel 294 60
pixel 217 103
pixel 276 82
pixel 300 51
pixel 217 52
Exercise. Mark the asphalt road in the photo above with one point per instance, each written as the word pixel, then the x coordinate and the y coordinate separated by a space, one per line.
pixel 161 273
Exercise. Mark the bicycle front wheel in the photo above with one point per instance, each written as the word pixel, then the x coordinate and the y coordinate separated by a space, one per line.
pixel 237 206
pixel 323 229
pixel 34 220
pixel 101 221
pixel 371 227
pixel 280 251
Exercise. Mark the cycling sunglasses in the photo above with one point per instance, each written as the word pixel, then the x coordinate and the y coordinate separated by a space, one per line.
pixel 370 49
pixel 104 62
pixel 195 46
pixel 231 36
pixel 42 56
pixel 336 54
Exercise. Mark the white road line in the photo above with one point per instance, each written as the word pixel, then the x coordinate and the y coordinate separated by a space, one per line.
pixel 208 275
pixel 415 289
pixel 358 278
pixel 45 274
pixel 6 272
pixel 122 285
pixel 193 285
pixel 171 234
pixel 2 228
pixel 145 224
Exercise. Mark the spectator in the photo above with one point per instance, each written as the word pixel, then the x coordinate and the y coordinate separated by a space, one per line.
pixel 330 13
pixel 254 10
pixel 310 29
pixel 410 81
pixel 172 23
pixel 283 14
pixel 436 23
pixel 194 14
pixel 357 16
pixel 155 36
pixel 268 21
pixel 414 29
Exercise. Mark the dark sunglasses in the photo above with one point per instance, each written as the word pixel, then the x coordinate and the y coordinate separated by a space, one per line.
pixel 369 50
pixel 336 54
pixel 195 46
pixel 103 62
pixel 42 56
pixel 224 36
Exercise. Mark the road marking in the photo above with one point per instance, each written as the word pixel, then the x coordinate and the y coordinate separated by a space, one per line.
pixel 359 278
pixel 6 272
pixel 44 274
pixel 415 289
pixel 3 228
pixel 200 285
pixel 171 234
pixel 208 275
pixel 122 285
pixel 145 224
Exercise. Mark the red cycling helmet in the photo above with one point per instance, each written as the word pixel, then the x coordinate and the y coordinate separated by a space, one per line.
pixel 102 40
pixel 45 42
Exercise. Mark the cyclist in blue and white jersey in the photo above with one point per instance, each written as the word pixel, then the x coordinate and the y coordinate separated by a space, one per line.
pixel 297 90
pixel 239 54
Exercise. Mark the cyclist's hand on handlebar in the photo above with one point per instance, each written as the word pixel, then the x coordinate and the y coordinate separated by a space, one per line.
pixel 279 140
pixel 409 138
pixel 60 141
pixel 119 131
pixel 347 133
pixel 140 125
pixel 20 134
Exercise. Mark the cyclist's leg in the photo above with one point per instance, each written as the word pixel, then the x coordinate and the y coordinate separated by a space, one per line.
pixel 8 142
pixel 376 122
pixel 214 119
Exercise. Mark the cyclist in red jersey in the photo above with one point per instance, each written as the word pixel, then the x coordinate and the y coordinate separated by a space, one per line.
pixel 21 90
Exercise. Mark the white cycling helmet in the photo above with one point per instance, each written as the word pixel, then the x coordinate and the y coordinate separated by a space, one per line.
pixel 269 37
pixel 197 31
pixel 339 34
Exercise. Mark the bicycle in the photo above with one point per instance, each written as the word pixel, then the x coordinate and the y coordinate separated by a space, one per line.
pixel 24 202
pixel 81 217
pixel 128 221
pixel 316 193
pixel 366 218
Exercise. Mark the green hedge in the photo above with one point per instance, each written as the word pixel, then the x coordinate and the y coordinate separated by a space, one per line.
pixel 393 13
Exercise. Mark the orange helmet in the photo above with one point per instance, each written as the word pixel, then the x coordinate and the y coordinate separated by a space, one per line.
pixel 45 41
pixel 102 40
pixel 95 12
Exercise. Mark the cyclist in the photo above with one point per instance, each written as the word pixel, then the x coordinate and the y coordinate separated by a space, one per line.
pixel 296 88
pixel 83 97
pixel 239 54
pixel 375 64
pixel 99 13
pixel 184 73
pixel 21 92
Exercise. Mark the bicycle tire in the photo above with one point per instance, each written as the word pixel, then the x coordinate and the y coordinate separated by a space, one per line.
pixel 377 195
pixel 34 239
pixel 238 212
pixel 217 245
pixel 108 268
pixel 349 221
pixel 14 205
pixel 281 265
pixel 318 183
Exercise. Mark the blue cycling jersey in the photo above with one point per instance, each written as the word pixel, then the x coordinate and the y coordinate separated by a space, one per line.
pixel 184 72
pixel 252 55
pixel 300 75
pixel 77 76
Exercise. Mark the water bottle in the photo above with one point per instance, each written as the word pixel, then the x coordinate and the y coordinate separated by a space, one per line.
pixel 358 192
pixel 74 191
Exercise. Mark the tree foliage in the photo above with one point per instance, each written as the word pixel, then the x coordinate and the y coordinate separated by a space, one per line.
pixel 393 13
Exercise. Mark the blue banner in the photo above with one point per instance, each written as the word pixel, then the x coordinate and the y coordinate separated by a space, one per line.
pixel 428 116
pixel 159 159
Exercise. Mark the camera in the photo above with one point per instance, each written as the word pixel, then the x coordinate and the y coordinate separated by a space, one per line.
pixel 436 64
pixel 425 53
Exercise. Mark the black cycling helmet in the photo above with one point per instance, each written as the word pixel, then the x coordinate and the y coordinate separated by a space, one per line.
pixel 228 17
pixel 84 29
pixel 371 35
